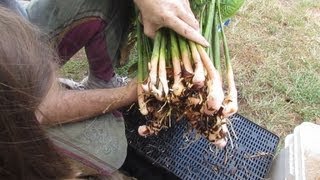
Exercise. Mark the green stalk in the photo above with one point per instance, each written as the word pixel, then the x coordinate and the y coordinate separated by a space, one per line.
pixel 203 18
pixel 210 18
pixel 198 79
pixel 156 45
pixel 231 100
pixel 176 60
pixel 216 45
pixel 146 55
pixel 141 73
pixel 153 74
pixel 175 53
pixel 169 53
pixel 162 64
pixel 183 44
pixel 211 53
pixel 224 40
pixel 185 55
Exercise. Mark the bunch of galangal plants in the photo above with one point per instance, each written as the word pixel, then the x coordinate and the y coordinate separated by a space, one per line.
pixel 179 78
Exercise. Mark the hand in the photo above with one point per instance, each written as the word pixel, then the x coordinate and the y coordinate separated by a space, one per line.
pixel 174 14
pixel 131 90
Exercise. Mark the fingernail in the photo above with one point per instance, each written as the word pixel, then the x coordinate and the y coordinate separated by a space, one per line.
pixel 206 43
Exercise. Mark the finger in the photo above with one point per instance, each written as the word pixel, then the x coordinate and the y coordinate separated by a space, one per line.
pixel 150 29
pixel 188 7
pixel 189 18
pixel 187 31
pixel 186 2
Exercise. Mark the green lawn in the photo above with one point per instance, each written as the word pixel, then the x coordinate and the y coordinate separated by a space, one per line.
pixel 276 50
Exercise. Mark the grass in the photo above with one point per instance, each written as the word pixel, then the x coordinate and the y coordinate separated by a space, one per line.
pixel 76 68
pixel 276 50
pixel 275 45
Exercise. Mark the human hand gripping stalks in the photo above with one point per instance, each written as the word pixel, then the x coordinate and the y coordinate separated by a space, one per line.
pixel 184 79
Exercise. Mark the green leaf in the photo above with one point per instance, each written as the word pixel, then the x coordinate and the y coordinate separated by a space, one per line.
pixel 230 7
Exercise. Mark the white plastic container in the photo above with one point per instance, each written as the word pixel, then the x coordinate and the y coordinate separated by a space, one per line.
pixel 300 157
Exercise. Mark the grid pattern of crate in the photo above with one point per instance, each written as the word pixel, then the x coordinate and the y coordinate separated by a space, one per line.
pixel 190 157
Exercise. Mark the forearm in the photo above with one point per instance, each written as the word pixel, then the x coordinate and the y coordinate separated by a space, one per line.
pixel 69 105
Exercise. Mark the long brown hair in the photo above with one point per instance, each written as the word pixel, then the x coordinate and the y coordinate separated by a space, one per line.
pixel 26 74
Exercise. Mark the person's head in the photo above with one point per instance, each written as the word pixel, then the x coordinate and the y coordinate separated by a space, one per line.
pixel 26 75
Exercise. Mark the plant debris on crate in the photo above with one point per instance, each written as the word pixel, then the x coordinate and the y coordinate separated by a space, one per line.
pixel 179 78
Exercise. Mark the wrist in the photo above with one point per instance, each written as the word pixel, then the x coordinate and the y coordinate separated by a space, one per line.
pixel 130 92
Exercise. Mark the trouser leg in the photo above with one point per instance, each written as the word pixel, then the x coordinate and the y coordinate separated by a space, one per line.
pixel 89 34
pixel 102 41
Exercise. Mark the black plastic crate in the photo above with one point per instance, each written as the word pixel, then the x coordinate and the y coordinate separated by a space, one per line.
pixel 189 157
